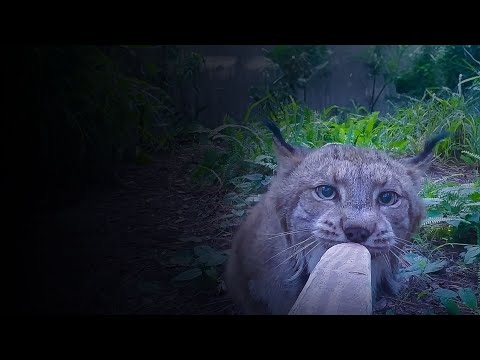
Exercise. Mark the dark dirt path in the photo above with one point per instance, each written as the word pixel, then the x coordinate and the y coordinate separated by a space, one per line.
pixel 100 255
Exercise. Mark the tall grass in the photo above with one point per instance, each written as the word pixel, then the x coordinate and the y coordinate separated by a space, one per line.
pixel 232 150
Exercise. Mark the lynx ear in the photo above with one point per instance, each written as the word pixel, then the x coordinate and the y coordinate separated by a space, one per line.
pixel 288 156
pixel 418 165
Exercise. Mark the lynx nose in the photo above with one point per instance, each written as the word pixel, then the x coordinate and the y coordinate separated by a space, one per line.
pixel 357 234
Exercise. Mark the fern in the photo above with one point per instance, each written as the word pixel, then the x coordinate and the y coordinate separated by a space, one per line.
pixel 432 201
pixel 456 192
pixel 269 166
pixel 441 219
pixel 231 165
pixel 260 160
pixel 475 156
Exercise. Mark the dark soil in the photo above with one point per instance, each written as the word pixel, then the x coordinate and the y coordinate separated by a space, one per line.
pixel 108 252
pixel 102 253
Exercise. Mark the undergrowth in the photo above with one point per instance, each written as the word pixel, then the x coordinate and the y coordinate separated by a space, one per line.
pixel 238 157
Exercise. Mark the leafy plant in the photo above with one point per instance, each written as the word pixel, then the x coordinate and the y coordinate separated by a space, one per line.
pixel 240 157
pixel 420 265
pixel 452 299
pixel 435 67
pixel 472 254
pixel 457 206
pixel 201 261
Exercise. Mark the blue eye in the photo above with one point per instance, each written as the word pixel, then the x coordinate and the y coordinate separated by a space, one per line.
pixel 326 192
pixel 387 198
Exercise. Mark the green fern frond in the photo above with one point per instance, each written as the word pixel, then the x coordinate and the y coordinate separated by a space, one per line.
pixel 440 219
pixel 432 201
pixel 475 156
pixel 231 166
pixel 270 166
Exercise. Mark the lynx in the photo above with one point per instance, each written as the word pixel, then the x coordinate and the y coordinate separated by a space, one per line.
pixel 317 199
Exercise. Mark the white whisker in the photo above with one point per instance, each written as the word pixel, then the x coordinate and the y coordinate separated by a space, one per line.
pixel 402 241
pixel 301 242
pixel 399 249
pixel 387 260
pixel 297 274
pixel 295 253
pixel 286 233
pixel 400 260
pixel 318 243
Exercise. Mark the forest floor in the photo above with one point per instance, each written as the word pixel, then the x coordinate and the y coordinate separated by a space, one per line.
pixel 111 251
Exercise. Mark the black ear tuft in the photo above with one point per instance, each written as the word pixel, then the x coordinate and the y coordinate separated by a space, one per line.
pixel 278 135
pixel 429 146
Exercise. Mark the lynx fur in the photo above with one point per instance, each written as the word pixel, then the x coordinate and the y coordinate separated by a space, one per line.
pixel 320 198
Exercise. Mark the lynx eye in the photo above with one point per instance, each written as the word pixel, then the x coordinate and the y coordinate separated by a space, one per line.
pixel 326 192
pixel 387 198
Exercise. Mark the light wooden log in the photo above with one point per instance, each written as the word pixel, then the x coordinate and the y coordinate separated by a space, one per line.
pixel 340 284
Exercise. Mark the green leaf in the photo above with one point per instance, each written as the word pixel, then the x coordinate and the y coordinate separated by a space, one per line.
pixel 417 266
pixel 227 252
pixel 254 177
pixel 445 294
pixel 474 217
pixel 267 181
pixel 433 213
pixel 349 139
pixel 203 250
pixel 452 307
pixel 411 257
pixel 213 259
pixel 409 273
pixel 468 297
pixel 400 145
pixel 182 257
pixel 230 196
pixel 422 294
pixel 341 135
pixel 209 256
pixel 453 222
pixel 212 273
pixel 471 254
pixel 239 205
pixel 252 199
pixel 475 196
pixel 260 158
pixel 188 275
pixel 467 160
pixel 371 122
pixel 238 212
pixel 435 266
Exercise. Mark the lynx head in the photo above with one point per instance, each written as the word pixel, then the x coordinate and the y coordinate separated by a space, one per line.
pixel 341 193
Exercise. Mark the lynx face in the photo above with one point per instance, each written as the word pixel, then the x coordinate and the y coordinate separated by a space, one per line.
pixel 341 193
